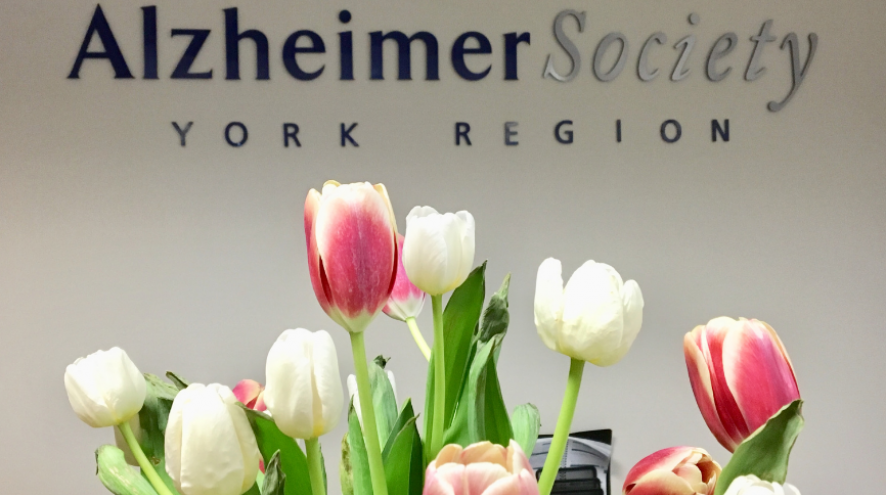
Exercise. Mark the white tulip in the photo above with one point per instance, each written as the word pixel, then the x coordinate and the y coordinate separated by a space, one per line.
pixel 438 253
pixel 355 396
pixel 303 384
pixel 752 485
pixel 105 388
pixel 210 447
pixel 595 318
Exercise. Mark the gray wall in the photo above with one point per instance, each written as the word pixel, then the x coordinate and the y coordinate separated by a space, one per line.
pixel 193 259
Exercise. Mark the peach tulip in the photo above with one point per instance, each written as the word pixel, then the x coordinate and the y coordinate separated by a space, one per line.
pixel 480 469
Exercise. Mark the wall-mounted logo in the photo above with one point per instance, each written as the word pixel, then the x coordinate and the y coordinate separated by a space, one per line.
pixel 304 58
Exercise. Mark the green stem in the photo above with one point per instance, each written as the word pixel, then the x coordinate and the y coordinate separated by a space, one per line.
pixel 561 433
pixel 439 378
pixel 315 465
pixel 370 429
pixel 143 462
pixel 419 338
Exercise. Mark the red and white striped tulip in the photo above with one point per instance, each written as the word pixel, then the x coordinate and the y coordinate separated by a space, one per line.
pixel 406 299
pixel 741 375
pixel 251 394
pixel 352 250
pixel 673 471
pixel 480 469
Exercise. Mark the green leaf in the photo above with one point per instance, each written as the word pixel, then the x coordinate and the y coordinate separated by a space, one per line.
pixel 403 460
pixel 345 470
pixel 177 381
pixel 292 459
pixel 358 467
pixel 496 317
pixel 766 452
pixel 275 478
pixel 526 422
pixel 460 321
pixel 481 413
pixel 406 413
pixel 383 400
pixel 117 476
pixel 152 419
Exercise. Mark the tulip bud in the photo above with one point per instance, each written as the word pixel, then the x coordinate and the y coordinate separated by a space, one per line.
pixel 595 318
pixel 303 391
pixel 210 447
pixel 741 375
pixel 481 469
pixel 352 251
pixel 406 299
pixel 251 394
pixel 355 396
pixel 752 485
pixel 105 388
pixel 673 471
pixel 438 252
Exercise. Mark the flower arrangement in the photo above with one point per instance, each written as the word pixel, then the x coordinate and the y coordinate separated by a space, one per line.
pixel 195 439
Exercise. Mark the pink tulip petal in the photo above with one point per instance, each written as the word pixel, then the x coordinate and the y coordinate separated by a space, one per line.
pixel 517 460
pixel 659 482
pixel 247 392
pixel 448 454
pixel 700 379
pixel 358 255
pixel 665 459
pixel 452 474
pixel 528 483
pixel 406 299
pixel 758 373
pixel 321 289
pixel 691 475
pixel 712 339
pixel 437 486
pixel 509 485
pixel 260 403
pixel 480 475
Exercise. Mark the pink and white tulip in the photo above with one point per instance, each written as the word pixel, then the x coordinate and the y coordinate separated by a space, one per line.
pixel 251 394
pixel 480 469
pixel 352 250
pixel 741 375
pixel 673 471
pixel 406 299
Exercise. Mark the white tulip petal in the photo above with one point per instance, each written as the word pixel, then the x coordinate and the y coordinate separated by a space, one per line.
pixel 425 254
pixel 549 300
pixel 288 390
pixel 211 457
pixel 592 314
pixel 393 384
pixel 632 300
pixel 327 382
pixel 468 241
pixel 355 396
pixel 245 437
pixel 173 437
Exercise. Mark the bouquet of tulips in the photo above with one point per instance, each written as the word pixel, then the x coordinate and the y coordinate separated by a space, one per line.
pixel 195 439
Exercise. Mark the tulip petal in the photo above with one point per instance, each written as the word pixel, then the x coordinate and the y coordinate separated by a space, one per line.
pixel 406 299
pixel 659 482
pixel 665 459
pixel 481 475
pixel 211 464
pixel 549 300
pixel 452 474
pixel 247 392
pixel 173 437
pixel 288 394
pixel 425 250
pixel 484 452
pixel 700 379
pixel 327 382
pixel 712 344
pixel 632 301
pixel 757 372
pixel 592 314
